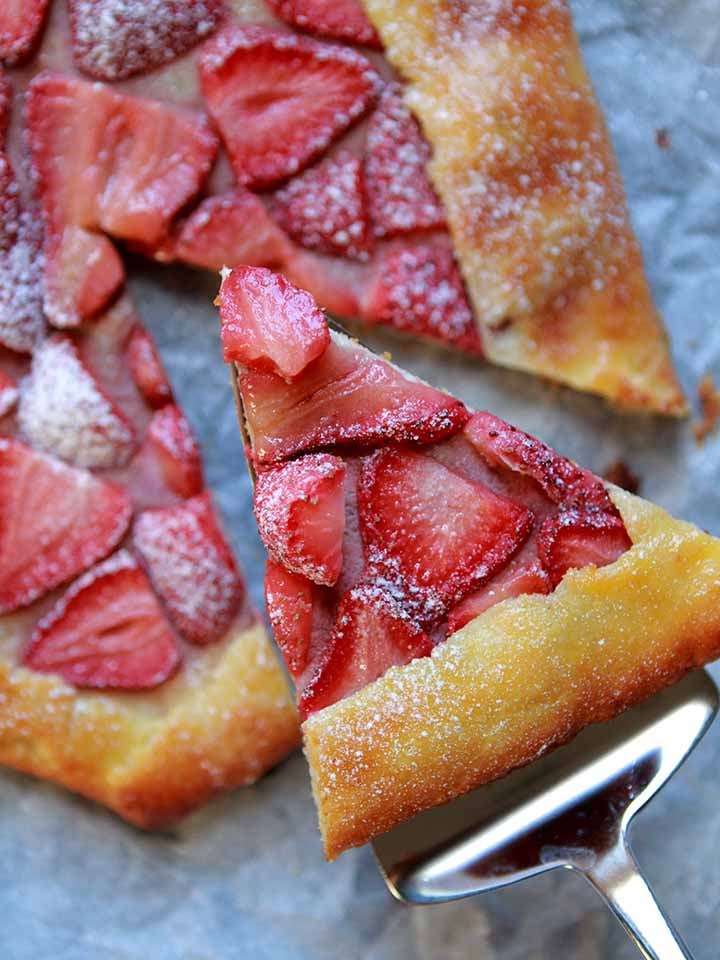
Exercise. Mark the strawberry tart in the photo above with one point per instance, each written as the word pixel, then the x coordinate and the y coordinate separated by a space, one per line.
pixel 438 168
pixel 451 596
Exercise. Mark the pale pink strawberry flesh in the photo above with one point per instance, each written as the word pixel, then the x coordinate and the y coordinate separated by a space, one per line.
pixel 446 513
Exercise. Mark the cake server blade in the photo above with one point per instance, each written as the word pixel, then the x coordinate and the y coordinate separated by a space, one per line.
pixel 570 809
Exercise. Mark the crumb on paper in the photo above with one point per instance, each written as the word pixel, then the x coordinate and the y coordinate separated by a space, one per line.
pixel 662 138
pixel 709 398
pixel 619 473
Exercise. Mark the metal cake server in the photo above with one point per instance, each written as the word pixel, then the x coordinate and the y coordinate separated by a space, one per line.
pixel 569 809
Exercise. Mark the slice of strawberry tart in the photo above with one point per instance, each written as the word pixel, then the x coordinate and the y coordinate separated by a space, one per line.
pixel 451 596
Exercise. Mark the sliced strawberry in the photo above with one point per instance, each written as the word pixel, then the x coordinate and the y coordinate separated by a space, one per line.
pixel 146 367
pixel 520 576
pixel 63 410
pixel 419 289
pixel 20 24
pixel 332 281
pixel 83 273
pixel 563 481
pixel 279 100
pixel 55 522
pixel 114 39
pixel 192 568
pixel 229 229
pixel 8 393
pixel 325 208
pixel 336 19
pixel 289 602
pixel 432 533
pixel 171 438
pixel 577 538
pixel 347 397
pixel 107 632
pixel 300 511
pixel 372 633
pixel 268 324
pixel 400 195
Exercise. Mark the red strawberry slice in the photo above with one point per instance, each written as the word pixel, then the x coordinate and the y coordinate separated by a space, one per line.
pixel 520 576
pixel 268 324
pixel 431 533
pixel 64 411
pixel 114 39
pixel 289 599
pixel 333 282
pixel 171 438
pixel 347 397
pixel 576 538
pixel 300 511
pixel 55 522
pixel 336 19
pixel 192 568
pixel 83 273
pixel 400 195
pixel 419 289
pixel 107 632
pixel 325 208
pixel 372 633
pixel 229 229
pixel 20 25
pixel 8 393
pixel 563 481
pixel 280 100
pixel 146 367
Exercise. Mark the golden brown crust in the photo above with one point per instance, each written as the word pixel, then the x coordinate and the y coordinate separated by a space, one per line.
pixel 534 200
pixel 152 757
pixel 523 677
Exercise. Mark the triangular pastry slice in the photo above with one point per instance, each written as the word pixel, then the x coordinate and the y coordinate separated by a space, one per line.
pixel 451 596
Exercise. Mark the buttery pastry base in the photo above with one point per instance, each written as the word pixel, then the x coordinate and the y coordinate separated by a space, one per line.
pixel 534 200
pixel 524 677
pixel 151 757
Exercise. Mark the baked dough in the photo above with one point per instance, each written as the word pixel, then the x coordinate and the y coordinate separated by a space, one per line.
pixel 223 721
pixel 523 677
pixel 534 200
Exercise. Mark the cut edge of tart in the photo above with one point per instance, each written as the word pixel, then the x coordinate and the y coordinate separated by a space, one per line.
pixel 409 697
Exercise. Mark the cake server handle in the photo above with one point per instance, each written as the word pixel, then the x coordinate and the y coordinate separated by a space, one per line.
pixel 618 879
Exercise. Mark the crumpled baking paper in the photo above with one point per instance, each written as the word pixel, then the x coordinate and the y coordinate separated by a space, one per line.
pixel 245 877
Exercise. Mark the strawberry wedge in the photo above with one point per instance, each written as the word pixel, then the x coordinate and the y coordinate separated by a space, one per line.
pixel 393 516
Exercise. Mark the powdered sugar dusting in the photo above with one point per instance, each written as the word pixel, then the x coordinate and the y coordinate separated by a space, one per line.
pixel 63 411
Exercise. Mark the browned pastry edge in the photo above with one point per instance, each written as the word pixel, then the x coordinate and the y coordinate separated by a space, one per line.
pixel 534 199
pixel 522 678
pixel 153 757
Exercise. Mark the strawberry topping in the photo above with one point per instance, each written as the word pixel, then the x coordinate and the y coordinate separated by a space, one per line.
pixel 229 229
pixel 347 397
pixel 520 576
pixel 300 511
pixel 20 24
pixel 431 533
pixel 55 522
pixel 107 632
pixel 63 410
pixel 268 324
pixel 170 437
pixel 336 19
pixel 279 100
pixel 83 273
pixel 400 196
pixel 372 633
pixel 8 393
pixel 116 39
pixel 325 208
pixel 577 538
pixel 146 368
pixel 289 602
pixel 191 567
pixel 419 289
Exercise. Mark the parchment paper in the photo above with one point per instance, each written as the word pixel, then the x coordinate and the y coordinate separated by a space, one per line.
pixel 245 877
